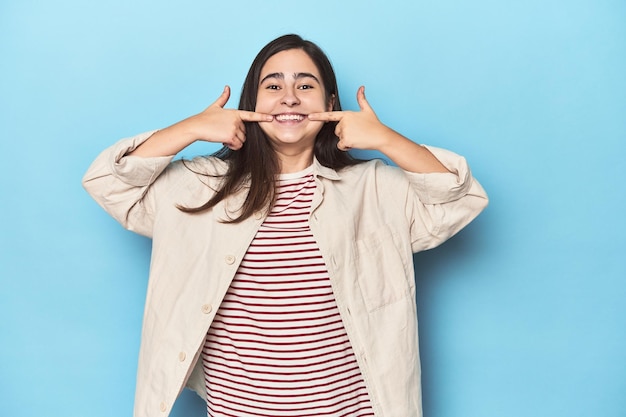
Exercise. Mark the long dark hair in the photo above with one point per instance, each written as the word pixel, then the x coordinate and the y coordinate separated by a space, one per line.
pixel 256 164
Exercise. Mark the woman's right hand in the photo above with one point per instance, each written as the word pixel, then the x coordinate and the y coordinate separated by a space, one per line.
pixel 215 124
pixel 219 125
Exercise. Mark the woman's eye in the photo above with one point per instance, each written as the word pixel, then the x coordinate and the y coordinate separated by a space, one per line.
pixel 272 87
pixel 305 87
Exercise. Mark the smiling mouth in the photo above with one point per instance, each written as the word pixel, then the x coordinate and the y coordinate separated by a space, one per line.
pixel 289 117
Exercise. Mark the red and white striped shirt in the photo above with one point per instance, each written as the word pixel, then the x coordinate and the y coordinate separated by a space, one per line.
pixel 277 346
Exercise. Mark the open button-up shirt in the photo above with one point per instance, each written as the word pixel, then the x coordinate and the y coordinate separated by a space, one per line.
pixel 368 220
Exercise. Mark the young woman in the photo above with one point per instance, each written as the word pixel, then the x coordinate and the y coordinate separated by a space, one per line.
pixel 282 279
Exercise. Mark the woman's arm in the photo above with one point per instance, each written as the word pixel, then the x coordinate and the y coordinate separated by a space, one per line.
pixel 214 124
pixel 130 178
pixel 363 130
pixel 439 193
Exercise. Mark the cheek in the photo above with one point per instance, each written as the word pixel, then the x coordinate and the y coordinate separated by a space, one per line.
pixel 262 107
pixel 323 105
pixel 265 127
pixel 262 104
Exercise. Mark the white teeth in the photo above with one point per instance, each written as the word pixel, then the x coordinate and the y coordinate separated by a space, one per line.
pixel 287 117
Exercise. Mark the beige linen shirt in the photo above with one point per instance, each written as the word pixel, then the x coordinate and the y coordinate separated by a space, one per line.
pixel 368 220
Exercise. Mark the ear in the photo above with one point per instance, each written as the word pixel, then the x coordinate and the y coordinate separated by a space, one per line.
pixel 331 102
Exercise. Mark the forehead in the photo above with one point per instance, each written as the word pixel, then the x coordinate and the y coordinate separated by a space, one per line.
pixel 292 61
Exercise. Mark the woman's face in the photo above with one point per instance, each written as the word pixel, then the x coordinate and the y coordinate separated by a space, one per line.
pixel 290 87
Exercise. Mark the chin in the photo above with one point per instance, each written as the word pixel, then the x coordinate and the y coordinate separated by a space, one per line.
pixel 290 140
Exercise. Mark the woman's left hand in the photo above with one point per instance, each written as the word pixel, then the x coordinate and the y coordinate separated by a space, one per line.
pixel 362 130
pixel 357 129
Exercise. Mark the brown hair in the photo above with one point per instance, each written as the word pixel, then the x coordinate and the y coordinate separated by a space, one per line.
pixel 256 164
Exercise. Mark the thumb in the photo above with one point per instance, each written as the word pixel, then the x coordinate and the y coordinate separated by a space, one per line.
pixel 361 100
pixel 223 98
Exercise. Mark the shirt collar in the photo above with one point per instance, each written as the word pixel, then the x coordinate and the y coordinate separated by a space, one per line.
pixel 322 171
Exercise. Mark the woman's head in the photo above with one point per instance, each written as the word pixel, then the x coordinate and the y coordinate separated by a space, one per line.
pixel 284 43
pixel 325 145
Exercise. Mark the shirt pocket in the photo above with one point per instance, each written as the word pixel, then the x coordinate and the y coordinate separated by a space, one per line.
pixel 382 271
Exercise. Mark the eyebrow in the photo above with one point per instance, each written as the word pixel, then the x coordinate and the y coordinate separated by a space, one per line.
pixel 296 75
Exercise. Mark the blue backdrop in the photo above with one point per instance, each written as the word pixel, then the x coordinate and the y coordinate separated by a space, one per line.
pixel 522 314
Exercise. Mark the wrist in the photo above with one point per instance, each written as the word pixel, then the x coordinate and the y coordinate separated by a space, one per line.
pixel 390 140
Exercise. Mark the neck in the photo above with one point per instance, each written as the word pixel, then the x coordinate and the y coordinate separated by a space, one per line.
pixel 295 161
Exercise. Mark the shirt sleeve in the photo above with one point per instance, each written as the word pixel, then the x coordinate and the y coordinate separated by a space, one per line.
pixel 441 204
pixel 120 183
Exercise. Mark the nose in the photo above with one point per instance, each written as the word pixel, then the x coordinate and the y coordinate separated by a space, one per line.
pixel 290 97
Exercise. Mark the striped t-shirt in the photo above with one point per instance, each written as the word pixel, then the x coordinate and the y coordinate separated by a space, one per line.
pixel 277 346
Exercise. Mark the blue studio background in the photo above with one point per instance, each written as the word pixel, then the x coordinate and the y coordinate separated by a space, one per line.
pixel 522 314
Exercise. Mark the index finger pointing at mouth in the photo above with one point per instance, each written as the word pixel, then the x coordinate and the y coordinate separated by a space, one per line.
pixel 250 116
pixel 330 116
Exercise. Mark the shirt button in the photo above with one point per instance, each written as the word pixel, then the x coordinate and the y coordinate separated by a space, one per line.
pixel 182 356
pixel 230 259
pixel 258 215
pixel 163 406
pixel 206 308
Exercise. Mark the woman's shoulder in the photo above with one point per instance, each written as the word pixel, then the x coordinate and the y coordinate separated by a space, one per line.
pixel 375 166
pixel 376 173
pixel 204 165
pixel 200 170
